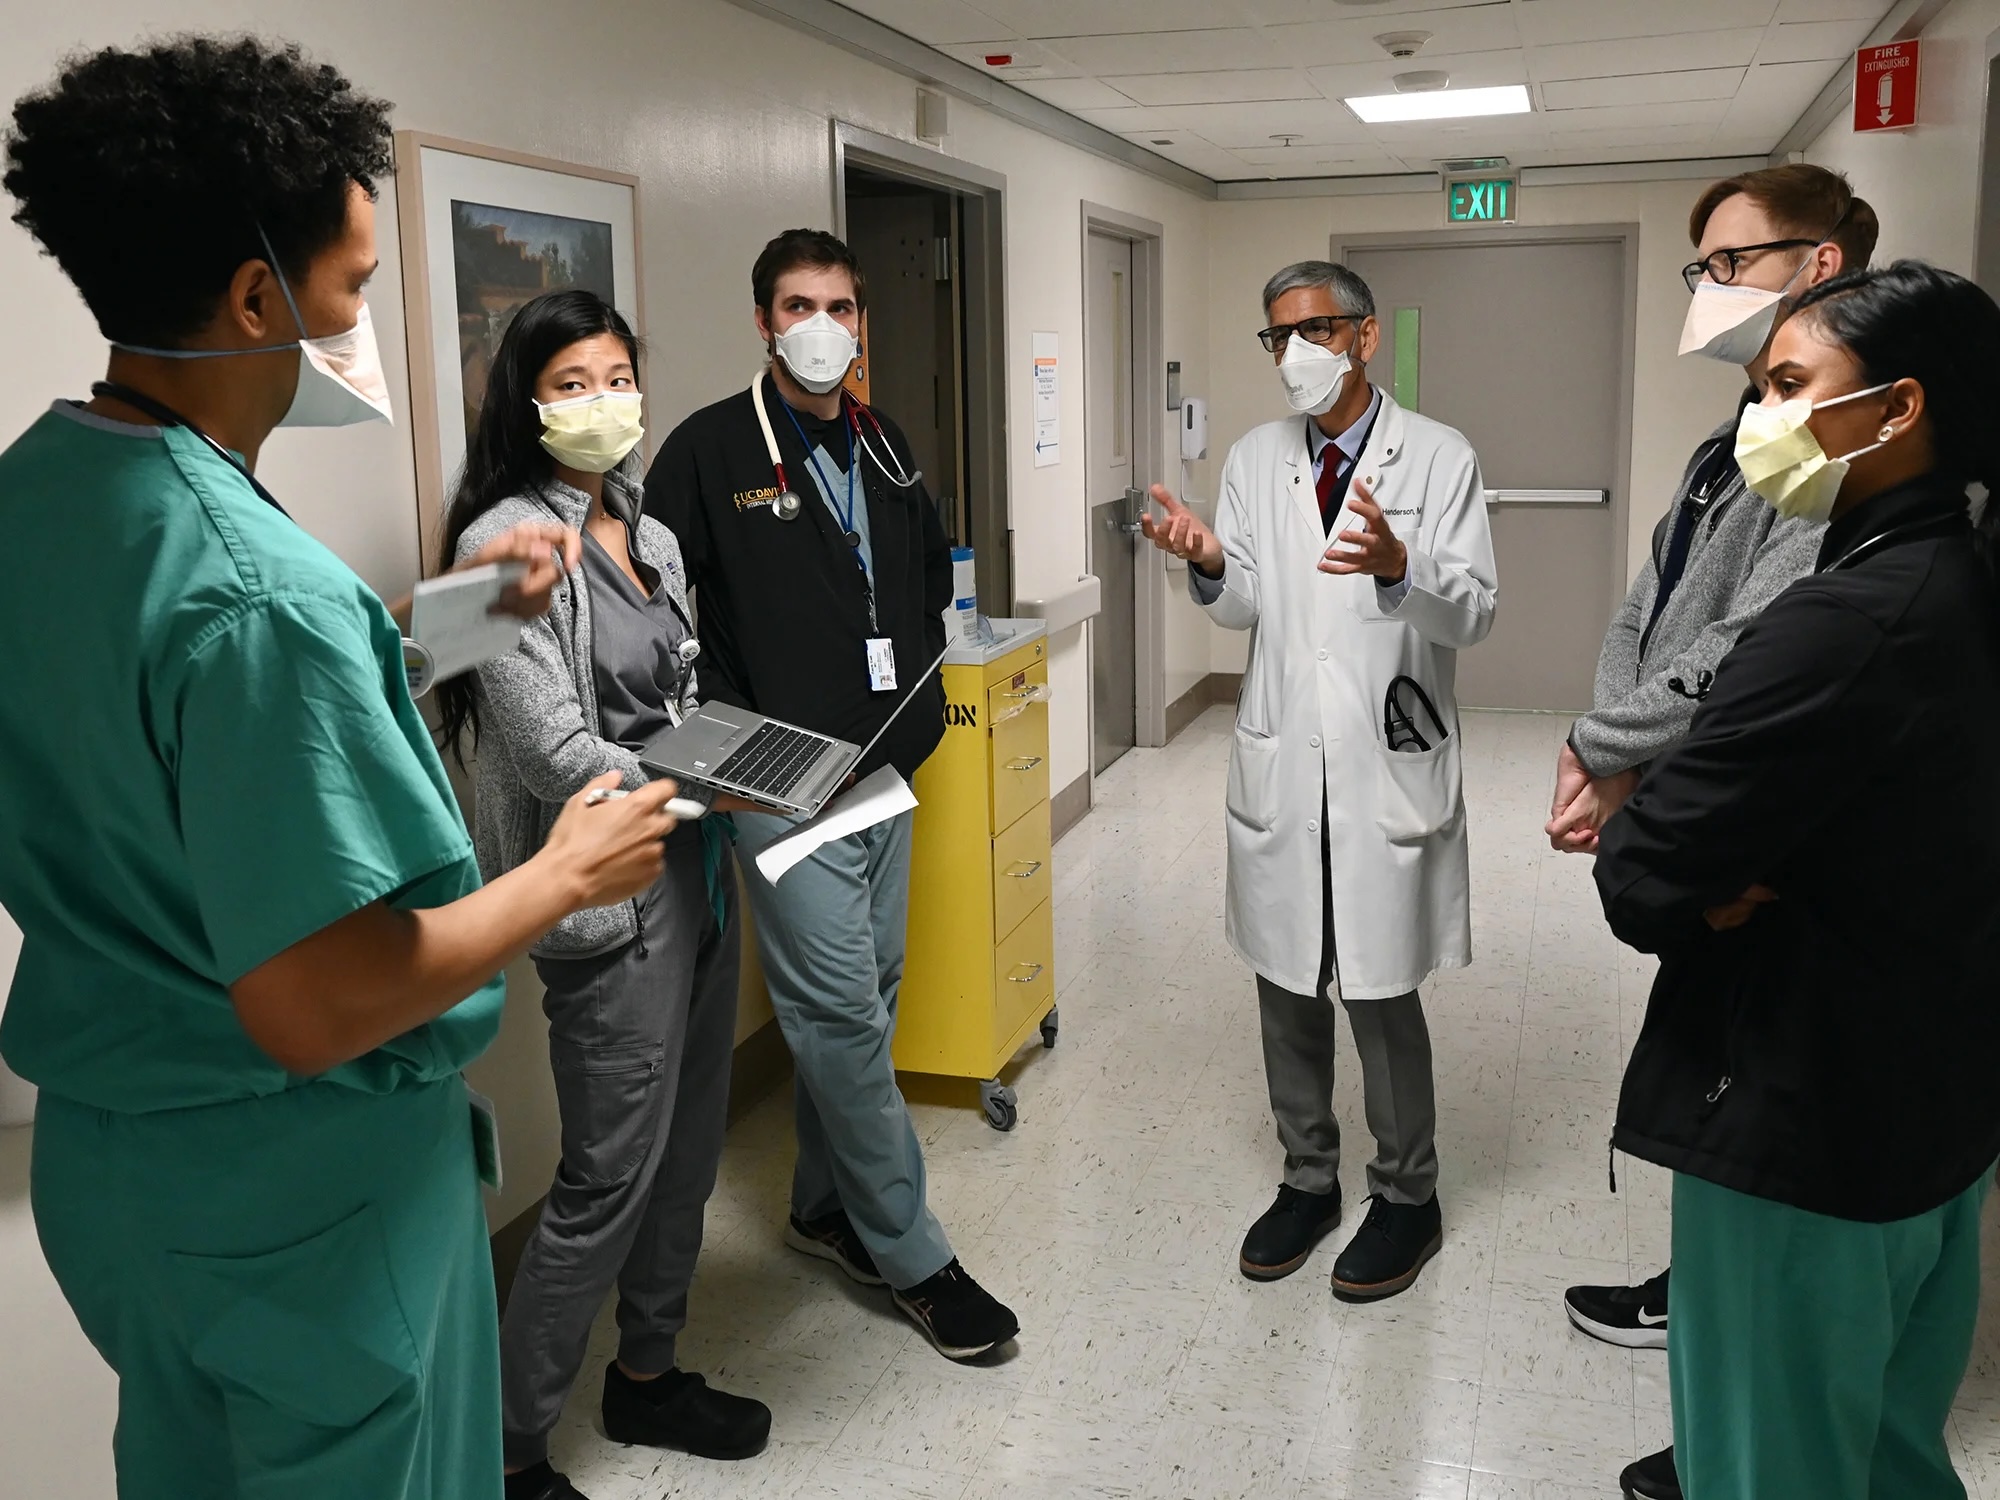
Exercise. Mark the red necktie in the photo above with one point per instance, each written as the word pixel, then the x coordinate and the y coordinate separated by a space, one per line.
pixel 1332 487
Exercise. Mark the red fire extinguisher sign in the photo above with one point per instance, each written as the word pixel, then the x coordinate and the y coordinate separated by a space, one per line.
pixel 1885 87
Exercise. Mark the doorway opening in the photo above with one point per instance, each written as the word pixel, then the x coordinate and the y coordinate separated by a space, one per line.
pixel 927 231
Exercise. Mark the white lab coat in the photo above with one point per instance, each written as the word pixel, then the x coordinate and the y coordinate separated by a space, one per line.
pixel 1323 650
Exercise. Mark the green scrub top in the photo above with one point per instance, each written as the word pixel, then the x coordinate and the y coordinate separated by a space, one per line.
pixel 208 752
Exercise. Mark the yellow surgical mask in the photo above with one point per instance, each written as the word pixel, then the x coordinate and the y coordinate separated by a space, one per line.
pixel 1783 463
pixel 592 433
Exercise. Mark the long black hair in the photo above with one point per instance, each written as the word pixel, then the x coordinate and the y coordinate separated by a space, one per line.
pixel 1915 321
pixel 504 457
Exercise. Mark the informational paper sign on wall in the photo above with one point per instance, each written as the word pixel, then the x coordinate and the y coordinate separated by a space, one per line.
pixel 1048 403
pixel 1885 86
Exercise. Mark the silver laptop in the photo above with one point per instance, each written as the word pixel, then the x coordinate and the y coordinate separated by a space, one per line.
pixel 763 760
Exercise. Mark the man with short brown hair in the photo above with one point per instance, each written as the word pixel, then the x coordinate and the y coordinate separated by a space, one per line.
pixel 1719 557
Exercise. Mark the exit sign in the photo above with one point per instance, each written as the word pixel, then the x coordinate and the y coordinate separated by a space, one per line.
pixel 1482 200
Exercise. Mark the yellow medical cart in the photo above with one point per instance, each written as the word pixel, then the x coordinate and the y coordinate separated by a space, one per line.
pixel 979 979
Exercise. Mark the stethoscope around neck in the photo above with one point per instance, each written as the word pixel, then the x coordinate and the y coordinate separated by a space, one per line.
pixel 788 506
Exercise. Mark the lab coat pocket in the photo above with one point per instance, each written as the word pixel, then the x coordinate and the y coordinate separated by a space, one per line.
pixel 1252 796
pixel 313 1333
pixel 606 1098
pixel 1419 791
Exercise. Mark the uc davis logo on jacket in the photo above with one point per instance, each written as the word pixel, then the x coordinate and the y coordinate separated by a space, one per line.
pixel 751 499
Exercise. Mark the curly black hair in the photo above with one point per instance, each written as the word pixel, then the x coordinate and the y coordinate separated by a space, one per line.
pixel 148 173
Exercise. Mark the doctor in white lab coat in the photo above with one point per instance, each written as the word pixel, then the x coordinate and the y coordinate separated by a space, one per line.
pixel 1351 541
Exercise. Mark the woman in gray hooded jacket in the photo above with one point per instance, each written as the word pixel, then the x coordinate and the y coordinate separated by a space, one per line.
pixel 641 997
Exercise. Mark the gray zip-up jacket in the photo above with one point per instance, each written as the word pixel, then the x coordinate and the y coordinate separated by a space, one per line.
pixel 1742 556
pixel 538 741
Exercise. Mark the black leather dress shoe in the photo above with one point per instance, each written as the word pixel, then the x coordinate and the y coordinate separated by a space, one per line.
pixel 1652 1478
pixel 1280 1241
pixel 1388 1250
pixel 681 1410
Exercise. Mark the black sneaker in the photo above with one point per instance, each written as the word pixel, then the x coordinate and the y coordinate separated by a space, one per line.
pixel 540 1483
pixel 1632 1317
pixel 1652 1478
pixel 1388 1250
pixel 678 1410
pixel 1279 1243
pixel 960 1318
pixel 833 1238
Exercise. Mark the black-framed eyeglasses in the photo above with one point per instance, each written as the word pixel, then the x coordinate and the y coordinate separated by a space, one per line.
pixel 1721 266
pixel 1312 330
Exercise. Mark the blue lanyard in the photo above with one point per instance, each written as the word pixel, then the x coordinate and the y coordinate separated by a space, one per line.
pixel 846 518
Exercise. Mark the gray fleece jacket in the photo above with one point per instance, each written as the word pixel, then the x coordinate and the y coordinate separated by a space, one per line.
pixel 1741 557
pixel 538 728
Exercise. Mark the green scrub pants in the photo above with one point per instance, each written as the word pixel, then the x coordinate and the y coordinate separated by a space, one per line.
pixel 1818 1356
pixel 295 1292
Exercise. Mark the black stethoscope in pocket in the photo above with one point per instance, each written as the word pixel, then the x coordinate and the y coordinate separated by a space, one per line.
pixel 1399 724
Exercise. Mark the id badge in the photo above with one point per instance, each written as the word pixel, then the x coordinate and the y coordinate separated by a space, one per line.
pixel 882 665
pixel 485 1137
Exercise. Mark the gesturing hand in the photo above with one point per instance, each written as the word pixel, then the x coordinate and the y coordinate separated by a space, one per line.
pixel 1373 550
pixel 610 850
pixel 551 552
pixel 1182 533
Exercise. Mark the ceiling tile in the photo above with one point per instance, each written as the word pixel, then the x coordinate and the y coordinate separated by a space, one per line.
pixel 1736 48
pixel 1546 23
pixel 1129 121
pixel 1169 52
pixel 933 21
pixel 1621 139
pixel 1403 14
pixel 1242 87
pixel 1871 11
pixel 1044 18
pixel 1642 88
pixel 1811 41
pixel 1314 161
pixel 1030 60
pixel 1470 70
pixel 1317 122
pixel 1075 94
pixel 1590 156
pixel 1775 95
pixel 1685 112
pixel 1480 28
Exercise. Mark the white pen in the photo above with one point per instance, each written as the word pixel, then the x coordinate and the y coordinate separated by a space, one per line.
pixel 685 809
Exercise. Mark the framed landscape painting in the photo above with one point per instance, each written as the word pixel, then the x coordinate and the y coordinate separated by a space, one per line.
pixel 484 231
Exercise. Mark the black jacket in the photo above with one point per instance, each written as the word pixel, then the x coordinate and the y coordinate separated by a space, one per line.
pixel 1837 1052
pixel 783 610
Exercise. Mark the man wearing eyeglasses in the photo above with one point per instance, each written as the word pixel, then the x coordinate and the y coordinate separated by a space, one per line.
pixel 1351 541
pixel 1719 556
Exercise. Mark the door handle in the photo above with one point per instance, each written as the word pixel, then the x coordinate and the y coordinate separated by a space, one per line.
pixel 1034 868
pixel 1135 507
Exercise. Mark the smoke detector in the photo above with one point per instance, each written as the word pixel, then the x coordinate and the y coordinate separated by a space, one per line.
pixel 1400 44
pixel 1426 82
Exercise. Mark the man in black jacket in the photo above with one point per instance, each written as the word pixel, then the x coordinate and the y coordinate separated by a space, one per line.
pixel 821 577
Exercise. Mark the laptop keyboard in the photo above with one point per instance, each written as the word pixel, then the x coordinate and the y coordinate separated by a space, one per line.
pixel 772 759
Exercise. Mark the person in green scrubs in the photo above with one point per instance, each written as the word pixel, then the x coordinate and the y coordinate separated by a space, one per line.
pixel 256 949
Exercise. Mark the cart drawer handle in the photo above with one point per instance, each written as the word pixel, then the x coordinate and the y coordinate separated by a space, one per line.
pixel 1034 693
pixel 1024 765
pixel 1025 978
pixel 1034 868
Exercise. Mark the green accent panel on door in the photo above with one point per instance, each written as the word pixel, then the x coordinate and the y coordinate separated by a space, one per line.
pixel 1409 344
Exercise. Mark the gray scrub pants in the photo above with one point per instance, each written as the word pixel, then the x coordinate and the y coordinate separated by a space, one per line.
pixel 831 936
pixel 640 1039
pixel 1399 1093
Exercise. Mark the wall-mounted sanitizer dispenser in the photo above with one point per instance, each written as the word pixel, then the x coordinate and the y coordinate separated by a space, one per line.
pixel 1194 428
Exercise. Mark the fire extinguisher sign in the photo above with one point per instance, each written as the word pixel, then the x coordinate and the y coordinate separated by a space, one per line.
pixel 1885 87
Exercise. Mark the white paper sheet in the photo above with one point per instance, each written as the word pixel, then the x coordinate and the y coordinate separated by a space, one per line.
pixel 876 798
pixel 451 616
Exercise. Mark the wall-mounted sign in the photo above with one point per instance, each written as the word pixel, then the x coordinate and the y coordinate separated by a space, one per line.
pixel 1885 87
pixel 1482 200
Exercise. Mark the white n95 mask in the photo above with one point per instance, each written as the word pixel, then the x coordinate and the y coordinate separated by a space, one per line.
pixel 1312 376
pixel 1783 463
pixel 340 380
pixel 1733 323
pixel 818 352
pixel 593 433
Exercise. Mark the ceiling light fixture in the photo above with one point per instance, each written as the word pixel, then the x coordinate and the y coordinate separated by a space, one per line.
pixel 1428 81
pixel 1441 104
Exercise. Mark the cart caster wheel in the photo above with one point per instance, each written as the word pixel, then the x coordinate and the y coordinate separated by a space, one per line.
pixel 999 1102
pixel 1049 1030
